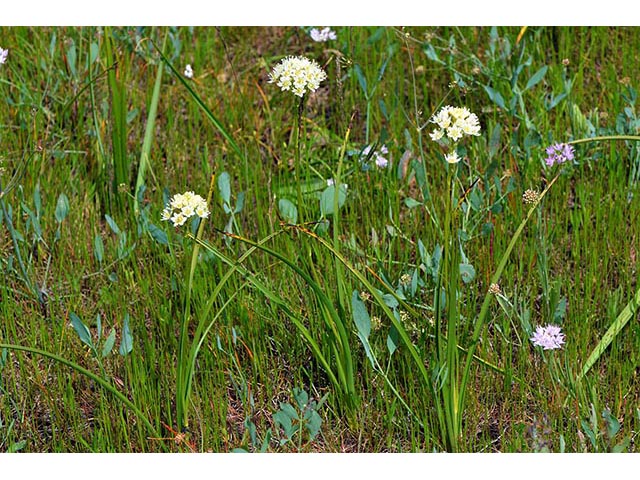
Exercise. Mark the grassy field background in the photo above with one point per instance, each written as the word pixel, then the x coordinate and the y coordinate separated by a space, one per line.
pixel 98 131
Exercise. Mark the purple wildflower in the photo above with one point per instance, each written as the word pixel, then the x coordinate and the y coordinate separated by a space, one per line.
pixel 549 337
pixel 379 159
pixel 559 153
pixel 322 35
pixel 3 55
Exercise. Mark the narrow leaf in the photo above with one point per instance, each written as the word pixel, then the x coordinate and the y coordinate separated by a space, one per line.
pixel 62 208
pixel 536 78
pixel 81 329
pixel 126 343
pixel 224 187
pixel 112 224
pixel 109 343
pixel 495 97
pixel 98 248
pixel 616 327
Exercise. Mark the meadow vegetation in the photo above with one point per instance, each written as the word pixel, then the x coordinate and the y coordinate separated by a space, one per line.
pixel 348 280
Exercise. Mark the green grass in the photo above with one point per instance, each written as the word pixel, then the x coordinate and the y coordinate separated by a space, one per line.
pixel 72 123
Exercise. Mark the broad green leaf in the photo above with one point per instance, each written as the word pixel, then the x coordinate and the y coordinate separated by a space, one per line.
pixel 361 79
pixel 288 211
pixel 282 419
pixel 98 248
pixel 313 424
pixel 109 343
pixel 288 410
pixel 94 50
pixel 239 203
pixel 393 340
pixel 613 425
pixel 302 398
pixel 81 329
pixel 112 224
pixel 390 301
pixel 495 97
pixel 326 202
pixel 224 187
pixel 432 55
pixel 467 272
pixel 126 342
pixel 360 315
pixel 158 234
pixel 553 101
pixel 536 77
pixel 72 58
pixel 363 324
pixel 99 326
pixel 412 203
pixel 62 208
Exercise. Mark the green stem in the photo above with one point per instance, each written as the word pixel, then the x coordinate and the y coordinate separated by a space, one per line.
pixel 184 376
pixel 296 167
pixel 635 138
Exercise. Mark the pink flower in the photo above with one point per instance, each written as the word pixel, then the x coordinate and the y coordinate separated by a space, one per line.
pixel 559 153
pixel 549 337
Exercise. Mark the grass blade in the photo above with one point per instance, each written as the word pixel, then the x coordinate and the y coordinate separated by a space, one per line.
pixel 149 132
pixel 616 327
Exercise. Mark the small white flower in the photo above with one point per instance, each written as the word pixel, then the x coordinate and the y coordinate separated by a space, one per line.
pixel 188 71
pixel 3 55
pixel 437 134
pixel 452 157
pixel 322 35
pixel 454 132
pixel 297 74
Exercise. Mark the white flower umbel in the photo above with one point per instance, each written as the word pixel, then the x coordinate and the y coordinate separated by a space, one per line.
pixel 454 122
pixel 182 206
pixel 297 74
pixel 188 71
pixel 3 55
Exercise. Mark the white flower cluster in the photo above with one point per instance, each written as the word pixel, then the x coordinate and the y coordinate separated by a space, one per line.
pixel 298 74
pixel 188 71
pixel 323 35
pixel 3 55
pixel 455 122
pixel 184 206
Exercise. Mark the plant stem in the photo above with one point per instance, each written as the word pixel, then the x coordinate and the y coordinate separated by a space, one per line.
pixel 184 367
pixel 296 166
